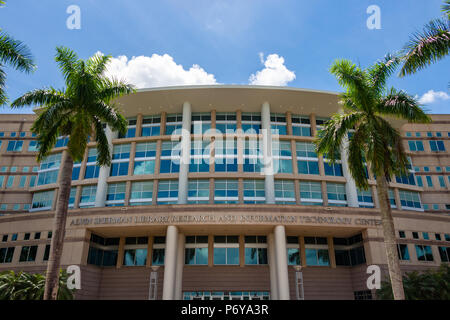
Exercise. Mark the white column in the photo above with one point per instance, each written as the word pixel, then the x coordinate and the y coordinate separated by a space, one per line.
pixel 180 266
pixel 102 185
pixel 170 262
pixel 269 181
pixel 281 261
pixel 185 154
pixel 272 267
pixel 350 186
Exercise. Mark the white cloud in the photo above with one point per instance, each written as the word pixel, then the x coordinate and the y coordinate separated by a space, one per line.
pixel 156 71
pixel 274 73
pixel 432 96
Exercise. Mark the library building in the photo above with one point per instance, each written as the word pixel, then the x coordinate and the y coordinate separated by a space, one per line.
pixel 217 193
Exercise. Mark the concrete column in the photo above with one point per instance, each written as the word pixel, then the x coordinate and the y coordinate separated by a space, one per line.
pixel 180 266
pixel 272 267
pixel 376 201
pixel 170 262
pixel 102 185
pixel 185 154
pixel 350 186
pixel 324 193
pixel 281 262
pixel 267 153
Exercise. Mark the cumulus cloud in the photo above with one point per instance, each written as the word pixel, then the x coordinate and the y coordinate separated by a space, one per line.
pixel 432 96
pixel 274 73
pixel 157 71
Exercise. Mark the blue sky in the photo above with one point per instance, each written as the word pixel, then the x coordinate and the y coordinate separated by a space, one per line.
pixel 226 41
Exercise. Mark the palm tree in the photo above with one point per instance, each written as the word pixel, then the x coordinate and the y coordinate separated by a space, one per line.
pixel 30 286
pixel 78 112
pixel 367 103
pixel 17 55
pixel 427 285
pixel 428 46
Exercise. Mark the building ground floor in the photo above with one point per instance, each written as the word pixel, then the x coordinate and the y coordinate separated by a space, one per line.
pixel 224 252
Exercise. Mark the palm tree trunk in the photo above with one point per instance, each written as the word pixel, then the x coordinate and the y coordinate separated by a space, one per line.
pixel 59 230
pixel 390 241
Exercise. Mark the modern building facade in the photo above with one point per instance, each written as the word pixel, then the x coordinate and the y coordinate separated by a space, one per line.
pixel 216 192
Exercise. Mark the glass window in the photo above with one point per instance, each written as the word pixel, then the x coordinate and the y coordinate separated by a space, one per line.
pixel 131 129
pixel 145 158
pixel 10 182
pixel 226 191
pixel 301 126
pixel 22 181
pixel 278 124
pixel 336 194
pixel 226 250
pixel 441 182
pixel 251 123
pixel 115 195
pixel 437 145
pixel 365 199
pixel 254 191
pixel 307 160
pixel 6 255
pixel 282 155
pixel 120 160
pixel 28 253
pixel 444 253
pixel 284 192
pixel 311 193
pixel 198 191
pixel 409 200
pixel 141 193
pixel 424 253
pixel 429 181
pixel 61 142
pixel 226 122
pixel 415 145
pixel 255 250
pixel 200 156
pixel 403 252
pixel 170 157
pixel 87 199
pixel 48 170
pixel 174 123
pixel 33 146
pixel 158 252
pixel 14 146
pixel 225 155
pixel 167 192
pixel 196 250
pixel 151 126
pixel 201 122
pixel 253 157
pixel 72 195
pixel 317 257
pixel 42 200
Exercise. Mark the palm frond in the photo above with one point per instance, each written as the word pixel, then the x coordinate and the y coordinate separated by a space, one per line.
pixel 103 152
pixel 426 47
pixel 109 115
pixel 399 104
pixel 40 97
pixel 15 53
pixel 67 62
pixel 355 80
pixel 356 166
pixel 113 88
pixel 382 70
pixel 330 137
pixel 3 96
